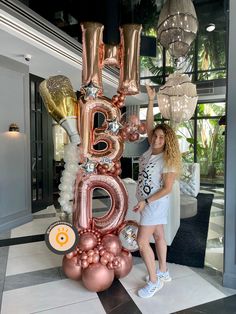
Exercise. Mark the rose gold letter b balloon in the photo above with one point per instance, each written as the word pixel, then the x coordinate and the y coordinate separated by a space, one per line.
pixel 92 136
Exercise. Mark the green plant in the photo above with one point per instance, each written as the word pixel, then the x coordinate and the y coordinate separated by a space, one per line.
pixel 210 141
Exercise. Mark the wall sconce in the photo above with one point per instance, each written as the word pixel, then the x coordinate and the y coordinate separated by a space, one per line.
pixel 13 127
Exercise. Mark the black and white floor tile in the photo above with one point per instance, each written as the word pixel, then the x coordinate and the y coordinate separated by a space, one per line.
pixel 32 281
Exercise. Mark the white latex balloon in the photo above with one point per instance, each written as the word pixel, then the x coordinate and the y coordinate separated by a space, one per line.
pixel 67 208
pixel 67 180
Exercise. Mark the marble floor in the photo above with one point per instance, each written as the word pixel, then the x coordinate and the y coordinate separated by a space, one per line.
pixel 215 239
pixel 35 283
pixel 32 281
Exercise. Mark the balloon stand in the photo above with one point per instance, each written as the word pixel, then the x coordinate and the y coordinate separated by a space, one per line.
pixel 105 243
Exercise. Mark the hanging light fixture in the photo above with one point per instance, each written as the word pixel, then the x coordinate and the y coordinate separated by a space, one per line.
pixel 177 99
pixel 177 26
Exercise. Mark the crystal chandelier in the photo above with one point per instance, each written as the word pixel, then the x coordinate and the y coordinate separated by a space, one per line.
pixel 177 26
pixel 177 99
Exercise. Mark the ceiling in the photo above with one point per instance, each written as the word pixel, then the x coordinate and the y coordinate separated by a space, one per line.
pixel 49 57
pixel 19 37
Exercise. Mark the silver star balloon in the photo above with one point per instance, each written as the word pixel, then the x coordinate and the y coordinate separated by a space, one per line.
pixel 90 91
pixel 89 166
pixel 114 126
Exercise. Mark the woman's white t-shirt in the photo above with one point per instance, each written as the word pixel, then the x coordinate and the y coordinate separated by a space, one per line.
pixel 150 180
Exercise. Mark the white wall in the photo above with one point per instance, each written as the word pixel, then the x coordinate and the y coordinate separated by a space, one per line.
pixel 15 175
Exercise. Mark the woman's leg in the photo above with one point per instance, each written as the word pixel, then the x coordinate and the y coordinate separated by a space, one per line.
pixel 161 247
pixel 144 234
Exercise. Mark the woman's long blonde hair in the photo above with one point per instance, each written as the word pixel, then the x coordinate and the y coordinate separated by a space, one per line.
pixel 172 155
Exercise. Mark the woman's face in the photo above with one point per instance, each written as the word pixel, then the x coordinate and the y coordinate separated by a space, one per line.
pixel 158 139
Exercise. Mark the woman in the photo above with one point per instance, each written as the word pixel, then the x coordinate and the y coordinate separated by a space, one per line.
pixel 158 168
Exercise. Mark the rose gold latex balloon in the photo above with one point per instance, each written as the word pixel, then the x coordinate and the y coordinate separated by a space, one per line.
pixel 97 277
pixel 142 128
pixel 117 165
pixel 110 265
pixel 103 260
pixel 123 134
pixel 127 129
pixel 121 97
pixel 87 241
pixel 96 258
pixel 126 264
pixel 70 255
pixel 112 244
pixel 92 63
pixel 133 119
pixel 115 99
pixel 130 52
pixel 71 269
pixel 61 103
pixel 84 263
pixel 92 136
pixel 133 137
pixel 83 214
pixel 90 259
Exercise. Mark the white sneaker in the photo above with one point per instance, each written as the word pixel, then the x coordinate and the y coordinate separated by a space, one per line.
pixel 150 289
pixel 164 276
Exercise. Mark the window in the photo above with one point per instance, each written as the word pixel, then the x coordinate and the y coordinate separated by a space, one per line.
pixel 201 140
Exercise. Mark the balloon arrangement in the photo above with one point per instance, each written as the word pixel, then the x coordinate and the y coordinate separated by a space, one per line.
pixel 132 129
pixel 105 243
pixel 98 259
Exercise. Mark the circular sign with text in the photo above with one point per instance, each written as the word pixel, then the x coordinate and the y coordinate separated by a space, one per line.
pixel 61 237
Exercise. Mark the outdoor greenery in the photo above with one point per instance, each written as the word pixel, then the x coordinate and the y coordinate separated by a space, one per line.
pixel 210 139
pixel 209 147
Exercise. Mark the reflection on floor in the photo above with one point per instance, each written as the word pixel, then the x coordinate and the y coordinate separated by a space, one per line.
pixel 32 270
pixel 215 238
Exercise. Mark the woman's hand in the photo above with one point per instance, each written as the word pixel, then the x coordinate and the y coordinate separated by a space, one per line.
pixel 151 92
pixel 139 207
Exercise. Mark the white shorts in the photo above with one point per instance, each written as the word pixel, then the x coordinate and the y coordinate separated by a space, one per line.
pixel 156 212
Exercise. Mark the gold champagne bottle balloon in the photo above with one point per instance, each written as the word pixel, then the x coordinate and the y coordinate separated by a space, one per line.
pixel 61 103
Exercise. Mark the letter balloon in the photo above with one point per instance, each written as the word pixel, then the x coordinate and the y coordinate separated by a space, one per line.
pixel 83 215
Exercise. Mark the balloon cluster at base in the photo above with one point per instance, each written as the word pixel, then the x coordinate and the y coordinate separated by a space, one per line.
pixel 97 260
pixel 105 243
